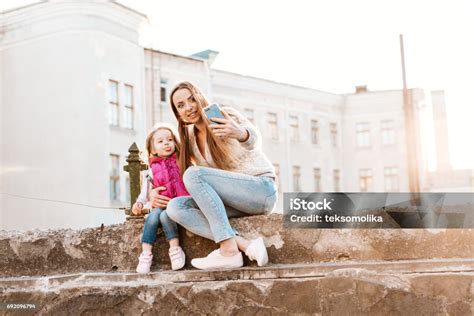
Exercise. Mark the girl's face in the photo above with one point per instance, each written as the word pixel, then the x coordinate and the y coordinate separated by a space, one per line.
pixel 187 106
pixel 162 143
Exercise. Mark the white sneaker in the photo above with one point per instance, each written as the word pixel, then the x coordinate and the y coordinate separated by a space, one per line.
pixel 144 262
pixel 217 261
pixel 257 251
pixel 177 258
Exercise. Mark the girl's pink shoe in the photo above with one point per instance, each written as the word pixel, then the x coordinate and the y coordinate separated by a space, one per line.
pixel 144 262
pixel 177 258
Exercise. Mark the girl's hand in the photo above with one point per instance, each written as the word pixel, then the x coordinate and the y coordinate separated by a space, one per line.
pixel 227 127
pixel 158 200
pixel 137 208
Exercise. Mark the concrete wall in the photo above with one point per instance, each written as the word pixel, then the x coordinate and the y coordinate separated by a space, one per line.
pixel 373 108
pixel 56 139
pixel 441 130
pixel 443 178
pixel 117 247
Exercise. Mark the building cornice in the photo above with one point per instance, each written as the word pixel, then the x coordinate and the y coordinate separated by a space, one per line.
pixel 156 51
pixel 274 82
pixel 275 88
pixel 76 12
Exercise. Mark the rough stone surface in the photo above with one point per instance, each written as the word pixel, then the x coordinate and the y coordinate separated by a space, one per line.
pixel 116 248
pixel 341 292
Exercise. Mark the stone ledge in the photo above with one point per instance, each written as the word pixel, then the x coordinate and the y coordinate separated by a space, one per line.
pixel 346 291
pixel 284 271
pixel 116 248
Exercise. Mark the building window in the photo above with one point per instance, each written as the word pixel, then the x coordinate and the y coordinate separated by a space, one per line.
pixel 333 128
pixel 294 128
pixel 314 132
pixel 273 125
pixel 277 172
pixel 128 107
pixel 391 179
pixel 113 103
pixel 365 180
pixel 363 134
pixel 296 178
pixel 249 114
pixel 337 180
pixel 114 177
pixel 163 84
pixel 388 132
pixel 317 179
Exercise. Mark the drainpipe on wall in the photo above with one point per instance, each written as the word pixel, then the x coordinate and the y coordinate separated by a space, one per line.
pixel 412 157
pixel 152 88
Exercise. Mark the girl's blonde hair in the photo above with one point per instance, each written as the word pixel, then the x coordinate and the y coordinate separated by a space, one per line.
pixel 219 149
pixel 157 127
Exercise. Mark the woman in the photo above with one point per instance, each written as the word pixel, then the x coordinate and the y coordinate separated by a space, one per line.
pixel 231 177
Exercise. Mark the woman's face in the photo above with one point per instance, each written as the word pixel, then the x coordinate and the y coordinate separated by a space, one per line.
pixel 186 106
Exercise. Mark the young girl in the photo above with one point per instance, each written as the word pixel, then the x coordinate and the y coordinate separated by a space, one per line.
pixel 162 147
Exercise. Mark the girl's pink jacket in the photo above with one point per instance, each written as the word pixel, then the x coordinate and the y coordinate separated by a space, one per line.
pixel 162 172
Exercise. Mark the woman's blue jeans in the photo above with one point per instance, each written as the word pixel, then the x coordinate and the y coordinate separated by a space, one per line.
pixel 217 195
pixel 152 222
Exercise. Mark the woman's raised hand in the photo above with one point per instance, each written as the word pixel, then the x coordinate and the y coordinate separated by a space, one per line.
pixel 227 127
pixel 158 200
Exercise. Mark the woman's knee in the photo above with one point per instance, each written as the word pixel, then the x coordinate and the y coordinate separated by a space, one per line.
pixel 270 203
pixel 191 175
pixel 173 209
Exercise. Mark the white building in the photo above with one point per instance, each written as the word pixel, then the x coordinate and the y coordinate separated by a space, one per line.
pixel 57 60
pixel 77 89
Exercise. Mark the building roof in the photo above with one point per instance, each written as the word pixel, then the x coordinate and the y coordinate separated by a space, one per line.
pixel 273 81
pixel 40 2
pixel 23 7
pixel 174 54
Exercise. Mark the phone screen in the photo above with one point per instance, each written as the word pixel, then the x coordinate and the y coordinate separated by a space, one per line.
pixel 213 111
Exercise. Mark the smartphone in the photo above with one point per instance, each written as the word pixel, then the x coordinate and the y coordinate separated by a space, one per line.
pixel 213 111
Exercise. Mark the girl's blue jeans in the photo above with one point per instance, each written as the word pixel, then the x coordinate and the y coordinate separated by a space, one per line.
pixel 217 195
pixel 152 222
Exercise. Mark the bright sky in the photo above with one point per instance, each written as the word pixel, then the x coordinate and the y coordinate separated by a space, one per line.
pixel 331 45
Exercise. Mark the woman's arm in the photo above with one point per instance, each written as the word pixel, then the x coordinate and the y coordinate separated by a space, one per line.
pixel 158 200
pixel 243 130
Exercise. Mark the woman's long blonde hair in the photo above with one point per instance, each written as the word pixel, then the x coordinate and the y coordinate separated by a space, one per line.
pixel 219 149
pixel 157 127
